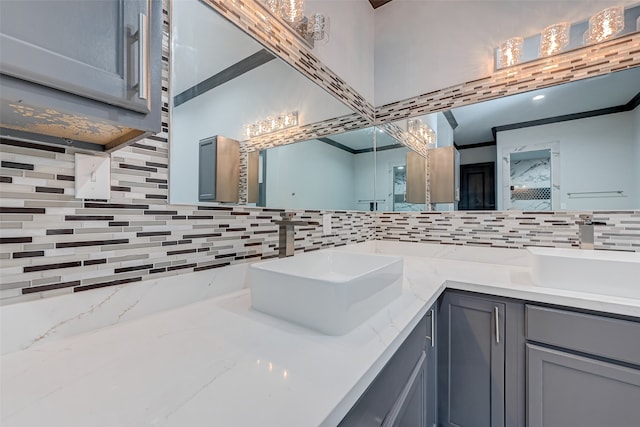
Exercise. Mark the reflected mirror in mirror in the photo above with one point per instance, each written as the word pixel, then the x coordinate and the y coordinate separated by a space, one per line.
pixel 400 176
pixel 221 80
pixel 335 172
pixel 590 128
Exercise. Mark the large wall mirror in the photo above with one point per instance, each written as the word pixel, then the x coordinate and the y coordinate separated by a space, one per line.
pixel 575 146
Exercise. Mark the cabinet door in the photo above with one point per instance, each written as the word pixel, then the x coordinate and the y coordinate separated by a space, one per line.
pixel 566 390
pixel 95 49
pixel 409 410
pixel 471 360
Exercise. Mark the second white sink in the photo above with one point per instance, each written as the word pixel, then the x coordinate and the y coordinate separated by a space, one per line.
pixel 329 291
pixel 600 272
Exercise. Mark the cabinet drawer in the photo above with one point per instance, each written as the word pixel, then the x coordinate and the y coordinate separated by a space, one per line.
pixel 598 335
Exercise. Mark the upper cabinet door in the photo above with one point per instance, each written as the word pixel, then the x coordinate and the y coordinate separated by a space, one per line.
pixel 96 49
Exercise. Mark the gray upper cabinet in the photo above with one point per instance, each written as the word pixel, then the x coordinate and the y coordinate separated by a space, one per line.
pixel 481 339
pixel 85 72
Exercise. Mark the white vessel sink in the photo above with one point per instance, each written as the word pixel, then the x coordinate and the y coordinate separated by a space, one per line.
pixel 329 291
pixel 601 272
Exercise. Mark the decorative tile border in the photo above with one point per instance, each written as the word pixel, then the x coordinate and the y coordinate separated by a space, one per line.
pixel 621 230
pixel 510 229
pixel 250 16
pixel 589 61
pixel 506 229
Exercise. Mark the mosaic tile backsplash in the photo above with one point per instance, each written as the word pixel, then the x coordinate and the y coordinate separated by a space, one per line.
pixel 53 243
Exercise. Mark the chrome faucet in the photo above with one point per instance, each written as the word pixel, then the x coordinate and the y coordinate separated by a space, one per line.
pixel 286 245
pixel 585 231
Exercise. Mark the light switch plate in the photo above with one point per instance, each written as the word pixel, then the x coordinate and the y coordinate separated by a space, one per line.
pixel 93 177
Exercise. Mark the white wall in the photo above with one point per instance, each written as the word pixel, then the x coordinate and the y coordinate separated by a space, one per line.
pixel 424 45
pixel 469 156
pixel 596 154
pixel 310 175
pixel 444 131
pixel 349 51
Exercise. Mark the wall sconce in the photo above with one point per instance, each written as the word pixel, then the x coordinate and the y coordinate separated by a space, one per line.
pixel 318 27
pixel 554 38
pixel 604 25
pixel 422 131
pixel 314 28
pixel 271 124
pixel 511 51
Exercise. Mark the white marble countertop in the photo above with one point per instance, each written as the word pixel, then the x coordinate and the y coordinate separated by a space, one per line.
pixel 218 362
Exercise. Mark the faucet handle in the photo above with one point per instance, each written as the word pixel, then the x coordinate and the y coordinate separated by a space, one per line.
pixel 286 216
pixel 585 219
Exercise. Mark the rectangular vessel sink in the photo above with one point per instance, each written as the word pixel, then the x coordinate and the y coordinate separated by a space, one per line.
pixel 329 291
pixel 601 272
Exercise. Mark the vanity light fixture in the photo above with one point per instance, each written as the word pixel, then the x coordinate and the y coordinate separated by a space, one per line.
pixel 318 27
pixel 271 124
pixel 312 29
pixel 273 6
pixel 511 51
pixel 605 25
pixel 422 131
pixel 553 39
pixel 292 11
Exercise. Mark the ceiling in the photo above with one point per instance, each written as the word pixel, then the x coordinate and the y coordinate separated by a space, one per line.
pixel 475 122
pixel 362 139
pixel 377 3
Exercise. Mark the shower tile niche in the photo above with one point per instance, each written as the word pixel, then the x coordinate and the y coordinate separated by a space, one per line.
pixel 530 176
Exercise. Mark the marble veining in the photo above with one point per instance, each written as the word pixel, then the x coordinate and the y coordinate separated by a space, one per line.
pixel 215 358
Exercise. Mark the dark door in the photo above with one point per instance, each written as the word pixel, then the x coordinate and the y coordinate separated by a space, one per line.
pixel 477 187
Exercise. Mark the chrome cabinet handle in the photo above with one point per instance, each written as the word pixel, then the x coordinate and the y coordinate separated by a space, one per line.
pixel 433 328
pixel 495 311
pixel 143 57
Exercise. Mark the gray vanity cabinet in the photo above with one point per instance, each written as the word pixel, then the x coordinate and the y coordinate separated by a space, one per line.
pixel 100 58
pixel 583 370
pixel 403 393
pixel 480 361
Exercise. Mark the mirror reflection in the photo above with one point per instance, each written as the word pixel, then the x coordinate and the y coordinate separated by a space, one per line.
pixel 335 172
pixel 575 146
pixel 222 80
pixel 570 147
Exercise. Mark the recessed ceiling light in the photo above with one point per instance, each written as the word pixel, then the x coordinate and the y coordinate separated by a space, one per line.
pixel 538 97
